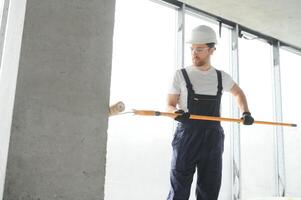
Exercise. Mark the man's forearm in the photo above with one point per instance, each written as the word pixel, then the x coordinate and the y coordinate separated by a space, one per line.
pixel 240 97
pixel 242 102
pixel 172 101
pixel 171 108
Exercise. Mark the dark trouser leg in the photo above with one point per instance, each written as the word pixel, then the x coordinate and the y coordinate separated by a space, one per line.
pixel 180 184
pixel 210 165
pixel 183 164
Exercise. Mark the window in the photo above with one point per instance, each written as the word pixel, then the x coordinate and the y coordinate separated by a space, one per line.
pixel 138 149
pixel 144 60
pixel 257 141
pixel 2 25
pixel 290 66
pixel 1 9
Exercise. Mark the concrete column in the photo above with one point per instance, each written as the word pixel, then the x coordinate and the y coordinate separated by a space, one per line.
pixel 58 136
pixel 8 74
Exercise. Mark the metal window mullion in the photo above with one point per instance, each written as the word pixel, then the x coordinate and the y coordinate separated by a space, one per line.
pixel 235 130
pixel 180 36
pixel 278 130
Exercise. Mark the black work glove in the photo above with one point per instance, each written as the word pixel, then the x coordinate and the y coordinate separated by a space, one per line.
pixel 183 117
pixel 247 118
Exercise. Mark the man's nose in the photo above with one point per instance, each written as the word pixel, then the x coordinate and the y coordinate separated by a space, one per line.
pixel 193 52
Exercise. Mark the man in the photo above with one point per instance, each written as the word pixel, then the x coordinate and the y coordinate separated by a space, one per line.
pixel 197 144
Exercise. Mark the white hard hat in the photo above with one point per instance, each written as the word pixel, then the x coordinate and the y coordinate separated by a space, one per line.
pixel 202 35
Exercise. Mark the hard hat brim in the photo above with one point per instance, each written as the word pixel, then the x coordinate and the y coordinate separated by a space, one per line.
pixel 193 41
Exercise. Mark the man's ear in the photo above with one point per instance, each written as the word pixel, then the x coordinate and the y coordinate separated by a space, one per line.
pixel 211 50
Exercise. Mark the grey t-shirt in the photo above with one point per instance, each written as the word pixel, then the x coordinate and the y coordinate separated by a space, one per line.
pixel 203 82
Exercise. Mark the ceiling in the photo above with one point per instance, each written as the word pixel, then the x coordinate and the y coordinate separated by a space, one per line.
pixel 280 19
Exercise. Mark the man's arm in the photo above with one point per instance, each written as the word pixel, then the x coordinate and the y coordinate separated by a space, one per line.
pixel 240 98
pixel 172 101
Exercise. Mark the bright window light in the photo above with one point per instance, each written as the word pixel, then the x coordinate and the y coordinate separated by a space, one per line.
pixel 144 61
pixel 290 66
pixel 139 148
pixel 257 141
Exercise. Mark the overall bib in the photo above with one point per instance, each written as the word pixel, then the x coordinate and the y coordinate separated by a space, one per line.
pixel 198 144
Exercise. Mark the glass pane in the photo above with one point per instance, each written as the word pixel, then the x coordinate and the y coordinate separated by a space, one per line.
pixel 220 60
pixel 257 141
pixel 1 10
pixel 139 149
pixel 2 35
pixel 290 80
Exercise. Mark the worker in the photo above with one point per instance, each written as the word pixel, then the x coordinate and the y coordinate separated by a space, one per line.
pixel 198 144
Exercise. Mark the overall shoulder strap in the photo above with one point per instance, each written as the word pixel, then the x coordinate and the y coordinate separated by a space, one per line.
pixel 187 80
pixel 220 82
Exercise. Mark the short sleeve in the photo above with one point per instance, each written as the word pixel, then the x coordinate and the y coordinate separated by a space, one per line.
pixel 228 82
pixel 175 87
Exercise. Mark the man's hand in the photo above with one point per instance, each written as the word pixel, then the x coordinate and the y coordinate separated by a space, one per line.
pixel 247 118
pixel 183 117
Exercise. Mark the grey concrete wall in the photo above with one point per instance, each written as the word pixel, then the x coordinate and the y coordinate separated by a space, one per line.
pixel 58 136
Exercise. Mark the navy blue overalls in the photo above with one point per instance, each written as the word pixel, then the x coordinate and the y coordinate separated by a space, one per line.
pixel 198 144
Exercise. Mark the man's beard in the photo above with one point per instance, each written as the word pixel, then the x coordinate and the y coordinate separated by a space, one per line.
pixel 199 62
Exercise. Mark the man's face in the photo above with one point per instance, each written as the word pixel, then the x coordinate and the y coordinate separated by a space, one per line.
pixel 200 54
